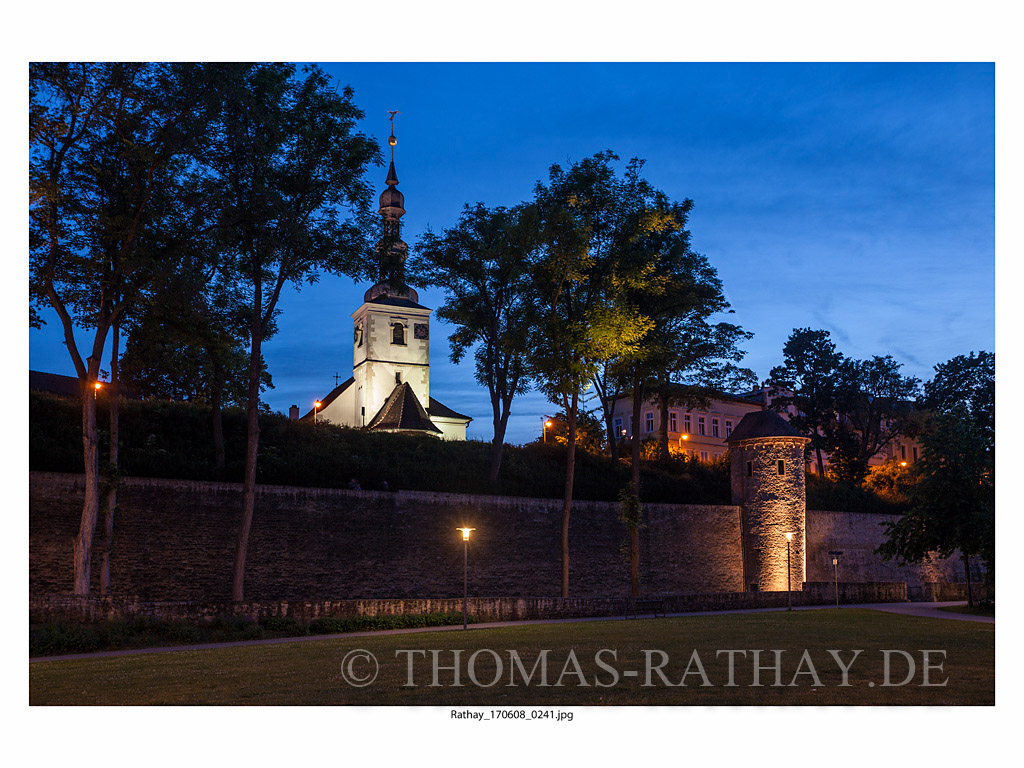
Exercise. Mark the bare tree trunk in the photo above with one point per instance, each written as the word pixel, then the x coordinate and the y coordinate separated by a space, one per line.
pixel 114 391
pixel 663 432
pixel 634 533
pixel 821 462
pixel 251 448
pixel 967 576
pixel 91 505
pixel 498 441
pixel 570 469
pixel 218 422
pixel 608 409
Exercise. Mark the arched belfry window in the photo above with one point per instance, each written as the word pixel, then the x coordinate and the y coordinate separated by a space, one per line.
pixel 398 333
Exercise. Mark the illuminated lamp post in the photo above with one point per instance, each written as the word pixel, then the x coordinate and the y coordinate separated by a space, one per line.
pixel 789 577
pixel 903 463
pixel 96 389
pixel 316 405
pixel 545 433
pixel 465 575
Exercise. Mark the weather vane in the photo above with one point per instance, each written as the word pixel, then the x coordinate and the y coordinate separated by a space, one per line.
pixel 391 139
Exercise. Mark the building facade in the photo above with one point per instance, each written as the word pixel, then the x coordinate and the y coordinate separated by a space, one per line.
pixel 703 433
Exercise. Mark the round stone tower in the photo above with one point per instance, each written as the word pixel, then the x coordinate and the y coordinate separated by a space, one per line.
pixel 768 482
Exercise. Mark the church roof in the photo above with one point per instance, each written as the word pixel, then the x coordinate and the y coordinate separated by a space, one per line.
pixel 763 424
pixel 402 412
pixel 331 397
pixel 396 301
pixel 441 411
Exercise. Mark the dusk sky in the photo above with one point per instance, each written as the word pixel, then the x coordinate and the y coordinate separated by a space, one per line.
pixel 854 198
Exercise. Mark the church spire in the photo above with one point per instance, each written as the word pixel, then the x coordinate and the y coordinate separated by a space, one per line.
pixel 391 249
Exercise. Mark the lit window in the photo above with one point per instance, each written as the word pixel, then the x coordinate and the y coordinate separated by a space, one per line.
pixel 728 427
pixel 782 466
pixel 700 426
pixel 673 422
pixel 398 334
pixel 714 427
pixel 649 422
pixel 687 426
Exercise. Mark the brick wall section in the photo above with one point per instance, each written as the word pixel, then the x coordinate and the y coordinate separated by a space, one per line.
pixel 64 608
pixel 174 540
pixel 856 535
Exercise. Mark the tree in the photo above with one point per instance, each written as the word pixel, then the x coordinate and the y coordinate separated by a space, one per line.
pixel 875 404
pixel 670 292
pixel 806 384
pixel 953 498
pixel 969 381
pixel 113 200
pixel 286 157
pixel 575 325
pixel 482 263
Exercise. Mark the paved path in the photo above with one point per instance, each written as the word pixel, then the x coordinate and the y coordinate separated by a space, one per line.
pixel 929 610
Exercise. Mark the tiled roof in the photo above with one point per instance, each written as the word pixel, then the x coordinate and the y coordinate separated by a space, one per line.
pixel 442 411
pixel 393 301
pixel 762 424
pixel 402 412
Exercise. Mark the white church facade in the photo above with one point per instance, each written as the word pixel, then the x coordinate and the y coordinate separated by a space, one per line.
pixel 389 390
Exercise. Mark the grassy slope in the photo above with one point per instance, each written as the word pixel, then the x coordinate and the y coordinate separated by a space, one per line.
pixel 309 672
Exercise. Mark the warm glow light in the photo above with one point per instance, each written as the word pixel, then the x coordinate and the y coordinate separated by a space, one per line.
pixel 903 463
pixel 97 385
pixel 547 423
pixel 686 437
pixel 465 532
pixel 789 536
pixel 835 561
pixel 316 404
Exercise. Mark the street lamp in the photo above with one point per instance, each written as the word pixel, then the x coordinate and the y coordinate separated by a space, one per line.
pixel 96 389
pixel 835 564
pixel 465 575
pixel 903 463
pixel 316 404
pixel 545 433
pixel 789 572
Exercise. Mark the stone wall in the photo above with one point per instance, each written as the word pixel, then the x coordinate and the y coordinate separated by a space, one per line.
pixel 65 608
pixel 174 540
pixel 856 535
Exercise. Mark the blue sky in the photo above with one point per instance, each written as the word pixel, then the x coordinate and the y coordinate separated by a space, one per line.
pixel 857 198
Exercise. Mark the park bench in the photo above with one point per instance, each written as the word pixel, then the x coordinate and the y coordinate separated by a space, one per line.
pixel 653 606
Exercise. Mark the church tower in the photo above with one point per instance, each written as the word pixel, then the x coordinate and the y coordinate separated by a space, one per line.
pixel 392 329
pixel 390 386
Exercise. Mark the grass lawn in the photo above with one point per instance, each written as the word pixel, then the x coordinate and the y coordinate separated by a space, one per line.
pixel 978 610
pixel 310 672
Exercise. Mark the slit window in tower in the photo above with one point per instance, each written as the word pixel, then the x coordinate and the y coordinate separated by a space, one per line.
pixel 750 469
pixel 782 466
pixel 398 334
pixel 398 378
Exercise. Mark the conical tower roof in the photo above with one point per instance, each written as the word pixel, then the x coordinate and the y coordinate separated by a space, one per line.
pixel 763 424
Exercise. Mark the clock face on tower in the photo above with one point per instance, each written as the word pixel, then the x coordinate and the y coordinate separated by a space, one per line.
pixel 421 331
